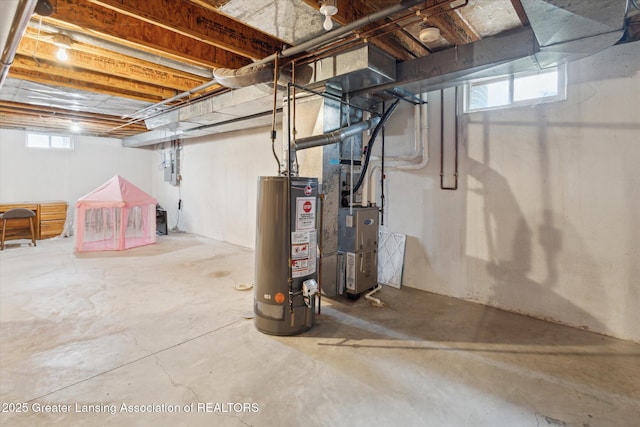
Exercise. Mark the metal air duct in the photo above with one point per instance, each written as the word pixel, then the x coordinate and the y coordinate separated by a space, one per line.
pixel 335 136
pixel 561 31
pixel 13 26
pixel 567 30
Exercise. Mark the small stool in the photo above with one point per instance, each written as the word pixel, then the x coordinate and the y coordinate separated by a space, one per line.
pixel 18 213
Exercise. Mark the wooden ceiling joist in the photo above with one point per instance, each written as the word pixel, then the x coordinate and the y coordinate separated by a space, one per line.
pixel 192 20
pixel 106 62
pixel 517 5
pixel 96 20
pixel 27 68
pixel 196 33
pixel 28 116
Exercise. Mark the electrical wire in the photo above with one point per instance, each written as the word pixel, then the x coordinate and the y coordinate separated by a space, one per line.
pixel 372 140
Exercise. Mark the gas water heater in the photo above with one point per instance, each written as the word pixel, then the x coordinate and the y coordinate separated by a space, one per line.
pixel 286 244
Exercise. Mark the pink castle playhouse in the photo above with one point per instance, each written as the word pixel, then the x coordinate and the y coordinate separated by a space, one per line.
pixel 115 216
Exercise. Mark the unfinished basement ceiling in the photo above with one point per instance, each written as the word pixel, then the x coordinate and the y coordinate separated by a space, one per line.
pixel 128 57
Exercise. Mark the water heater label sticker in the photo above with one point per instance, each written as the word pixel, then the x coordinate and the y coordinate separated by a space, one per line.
pixel 303 251
pixel 299 237
pixel 300 251
pixel 300 268
pixel 305 213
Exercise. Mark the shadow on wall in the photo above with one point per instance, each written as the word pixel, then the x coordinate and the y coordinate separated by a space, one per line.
pixel 511 243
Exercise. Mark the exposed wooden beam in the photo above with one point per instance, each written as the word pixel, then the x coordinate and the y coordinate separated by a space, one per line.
pixel 517 5
pixel 192 20
pixel 27 116
pixel 92 19
pixel 37 34
pixel 107 62
pixel 27 68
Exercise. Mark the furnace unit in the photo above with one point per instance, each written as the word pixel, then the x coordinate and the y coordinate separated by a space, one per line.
pixel 357 249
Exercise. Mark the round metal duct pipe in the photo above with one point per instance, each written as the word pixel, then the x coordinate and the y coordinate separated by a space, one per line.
pixel 335 136
pixel 23 9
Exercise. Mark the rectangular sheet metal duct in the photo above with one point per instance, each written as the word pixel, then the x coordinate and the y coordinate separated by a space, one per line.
pixel 358 68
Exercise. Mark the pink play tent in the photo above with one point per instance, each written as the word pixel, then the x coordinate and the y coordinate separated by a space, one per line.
pixel 115 216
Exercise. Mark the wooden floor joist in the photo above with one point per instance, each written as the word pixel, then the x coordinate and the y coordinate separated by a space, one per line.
pixel 103 61
pixel 93 19
pixel 33 117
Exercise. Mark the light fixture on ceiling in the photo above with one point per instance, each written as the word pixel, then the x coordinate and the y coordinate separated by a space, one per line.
pixel 429 34
pixel 75 127
pixel 63 42
pixel 328 9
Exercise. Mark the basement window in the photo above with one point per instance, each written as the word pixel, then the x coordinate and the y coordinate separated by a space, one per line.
pixel 516 90
pixel 43 140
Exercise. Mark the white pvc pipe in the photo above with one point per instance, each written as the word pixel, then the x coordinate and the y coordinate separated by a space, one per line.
pixel 403 163
pixel 373 291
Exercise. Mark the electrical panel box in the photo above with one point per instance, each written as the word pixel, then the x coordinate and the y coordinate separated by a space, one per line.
pixel 358 229
pixel 172 166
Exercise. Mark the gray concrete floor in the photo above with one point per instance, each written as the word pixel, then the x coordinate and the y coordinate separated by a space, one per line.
pixel 164 325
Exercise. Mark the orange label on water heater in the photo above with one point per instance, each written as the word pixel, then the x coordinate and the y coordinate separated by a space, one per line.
pixel 279 298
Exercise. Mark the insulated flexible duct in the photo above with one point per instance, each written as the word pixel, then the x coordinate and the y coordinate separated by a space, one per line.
pixel 244 76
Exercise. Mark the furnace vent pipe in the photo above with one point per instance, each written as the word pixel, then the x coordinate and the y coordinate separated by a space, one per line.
pixel 335 136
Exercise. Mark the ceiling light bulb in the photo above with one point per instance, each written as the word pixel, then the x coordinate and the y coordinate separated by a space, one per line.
pixel 75 128
pixel 62 54
pixel 328 9
pixel 63 42
pixel 328 23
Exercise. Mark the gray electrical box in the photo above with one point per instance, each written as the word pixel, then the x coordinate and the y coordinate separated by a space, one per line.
pixel 357 249
pixel 172 166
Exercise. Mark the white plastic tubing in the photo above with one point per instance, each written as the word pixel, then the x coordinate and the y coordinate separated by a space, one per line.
pixel 418 159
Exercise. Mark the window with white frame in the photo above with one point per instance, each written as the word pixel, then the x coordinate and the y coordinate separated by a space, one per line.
pixel 43 140
pixel 516 90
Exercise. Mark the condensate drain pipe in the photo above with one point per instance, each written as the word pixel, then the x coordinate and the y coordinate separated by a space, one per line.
pixel 373 299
